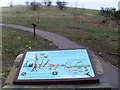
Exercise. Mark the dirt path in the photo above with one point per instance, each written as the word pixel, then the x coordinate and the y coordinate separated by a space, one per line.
pixel 110 71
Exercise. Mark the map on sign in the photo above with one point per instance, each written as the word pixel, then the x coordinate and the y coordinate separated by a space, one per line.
pixel 56 64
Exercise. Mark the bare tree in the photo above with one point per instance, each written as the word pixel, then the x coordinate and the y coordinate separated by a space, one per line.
pixel 11 4
pixel 27 3
pixel 61 4
pixel 34 6
pixel 45 2
pixel 49 3
pixel 108 13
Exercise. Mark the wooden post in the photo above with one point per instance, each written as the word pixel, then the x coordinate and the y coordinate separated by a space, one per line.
pixel 45 43
pixel 34 25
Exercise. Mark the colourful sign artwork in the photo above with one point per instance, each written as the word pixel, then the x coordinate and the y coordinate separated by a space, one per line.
pixel 56 64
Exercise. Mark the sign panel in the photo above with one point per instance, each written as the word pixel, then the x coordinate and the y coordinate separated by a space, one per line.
pixel 55 66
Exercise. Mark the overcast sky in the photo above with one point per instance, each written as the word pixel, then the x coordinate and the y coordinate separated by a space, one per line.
pixel 92 4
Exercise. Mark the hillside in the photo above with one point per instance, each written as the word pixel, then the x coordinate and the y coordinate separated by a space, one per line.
pixel 80 25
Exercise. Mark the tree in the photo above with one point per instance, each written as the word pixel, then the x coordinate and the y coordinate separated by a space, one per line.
pixel 45 2
pixel 111 14
pixel 27 3
pixel 49 3
pixel 35 5
pixel 61 5
pixel 11 4
pixel 113 9
pixel 107 13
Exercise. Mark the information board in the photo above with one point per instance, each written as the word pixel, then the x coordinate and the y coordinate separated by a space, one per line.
pixel 55 66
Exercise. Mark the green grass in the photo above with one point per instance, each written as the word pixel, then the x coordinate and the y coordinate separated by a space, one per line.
pixel 86 29
pixel 15 42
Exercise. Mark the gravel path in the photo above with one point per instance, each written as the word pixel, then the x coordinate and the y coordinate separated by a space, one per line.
pixel 110 71
pixel 60 41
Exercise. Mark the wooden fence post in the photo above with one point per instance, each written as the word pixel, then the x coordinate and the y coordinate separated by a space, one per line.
pixel 34 25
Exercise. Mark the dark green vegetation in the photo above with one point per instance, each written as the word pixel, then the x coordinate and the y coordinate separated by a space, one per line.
pixel 110 14
pixel 15 42
pixel 83 26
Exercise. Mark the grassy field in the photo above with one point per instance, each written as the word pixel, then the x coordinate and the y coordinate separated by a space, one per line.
pixel 80 25
pixel 15 42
